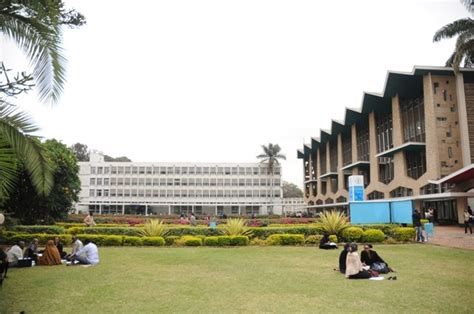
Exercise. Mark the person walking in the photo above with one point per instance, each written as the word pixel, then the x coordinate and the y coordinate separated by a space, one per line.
pixel 418 226
pixel 467 221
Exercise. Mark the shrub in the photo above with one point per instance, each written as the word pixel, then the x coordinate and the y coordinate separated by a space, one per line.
pixel 132 241
pixel 404 234
pixel 239 240
pixel 39 229
pixel 259 242
pixel 170 240
pixel 313 239
pixel 390 241
pixel 333 238
pixel 105 231
pixel 192 241
pixel 265 232
pixel 286 239
pixel 12 237
pixel 424 221
pixel 211 241
pixel 333 222
pixel 236 226
pixel 153 241
pixel 224 241
pixel 352 234
pixel 153 228
pixel 373 235
pixel 99 239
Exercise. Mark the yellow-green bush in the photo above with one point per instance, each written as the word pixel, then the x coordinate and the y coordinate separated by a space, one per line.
pixel 211 241
pixel 333 238
pixel 404 234
pixel 286 239
pixel 313 239
pixel 170 240
pixel 153 241
pixel 373 235
pixel 132 241
pixel 352 234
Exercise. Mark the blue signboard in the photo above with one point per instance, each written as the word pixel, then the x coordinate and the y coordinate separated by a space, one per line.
pixel 401 212
pixel 370 212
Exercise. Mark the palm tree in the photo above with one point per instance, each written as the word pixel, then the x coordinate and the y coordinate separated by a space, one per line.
pixel 271 155
pixel 18 145
pixel 464 30
pixel 36 27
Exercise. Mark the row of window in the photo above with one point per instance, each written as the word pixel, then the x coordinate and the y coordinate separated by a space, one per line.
pixel 183 182
pixel 181 193
pixel 193 170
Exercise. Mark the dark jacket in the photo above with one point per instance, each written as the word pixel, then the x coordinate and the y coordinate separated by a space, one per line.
pixel 416 219
pixel 342 261
pixel 368 258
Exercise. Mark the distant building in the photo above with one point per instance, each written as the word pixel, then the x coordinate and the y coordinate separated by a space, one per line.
pixel 414 141
pixel 153 188
pixel 293 205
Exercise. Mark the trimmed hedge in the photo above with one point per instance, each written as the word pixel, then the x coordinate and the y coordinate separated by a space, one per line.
pixel 11 237
pixel 124 231
pixel 132 241
pixel 333 238
pixel 404 234
pixel 265 232
pixel 39 229
pixel 170 240
pixel 286 239
pixel 373 235
pixel 211 241
pixel 153 241
pixel 313 239
pixel 352 234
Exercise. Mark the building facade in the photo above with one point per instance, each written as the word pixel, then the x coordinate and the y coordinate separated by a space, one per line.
pixel 152 188
pixel 415 141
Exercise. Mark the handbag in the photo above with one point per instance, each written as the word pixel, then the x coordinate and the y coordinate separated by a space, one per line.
pixel 379 267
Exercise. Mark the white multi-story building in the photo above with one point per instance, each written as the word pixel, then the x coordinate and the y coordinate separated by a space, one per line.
pixel 153 188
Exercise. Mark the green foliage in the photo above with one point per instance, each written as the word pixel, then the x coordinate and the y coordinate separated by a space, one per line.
pixel 81 151
pixel 236 226
pixel 239 240
pixel 132 241
pixel 333 222
pixel 211 241
pixel 404 234
pixel 39 229
pixel 153 228
pixel 373 235
pixel 313 239
pixel 224 241
pixel 99 239
pixel 12 237
pixel 352 234
pixel 190 241
pixel 265 232
pixel 333 238
pixel 424 221
pixel 286 239
pixel 390 241
pixel 26 205
pixel 153 241
pixel 170 240
pixel 130 231
pixel 291 190
pixel 258 242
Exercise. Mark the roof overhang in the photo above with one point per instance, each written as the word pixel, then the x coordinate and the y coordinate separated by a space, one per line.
pixel 407 147
pixel 328 174
pixel 460 176
pixel 359 164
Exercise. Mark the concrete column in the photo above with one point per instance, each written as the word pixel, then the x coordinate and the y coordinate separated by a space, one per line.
pixel 146 210
pixel 100 209
pixel 123 209
pixel 433 164
pixel 328 159
pixel 340 174
pixel 240 210
pixel 169 210
pixel 354 142
pixel 463 124
pixel 397 137
pixel 318 168
pixel 216 210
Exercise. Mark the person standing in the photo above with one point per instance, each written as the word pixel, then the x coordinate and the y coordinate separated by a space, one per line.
pixel 467 221
pixel 192 220
pixel 418 226
pixel 89 220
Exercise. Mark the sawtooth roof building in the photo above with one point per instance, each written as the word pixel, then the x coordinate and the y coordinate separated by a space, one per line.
pixel 415 140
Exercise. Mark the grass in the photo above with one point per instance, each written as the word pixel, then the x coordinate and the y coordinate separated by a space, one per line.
pixel 248 279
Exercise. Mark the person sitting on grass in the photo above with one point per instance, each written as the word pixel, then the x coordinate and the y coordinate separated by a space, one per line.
pixel 50 255
pixel 354 267
pixel 88 255
pixel 60 247
pixel 325 244
pixel 32 250
pixel 343 257
pixel 370 258
pixel 15 253
pixel 76 246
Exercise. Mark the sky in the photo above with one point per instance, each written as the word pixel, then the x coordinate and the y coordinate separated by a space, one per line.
pixel 212 81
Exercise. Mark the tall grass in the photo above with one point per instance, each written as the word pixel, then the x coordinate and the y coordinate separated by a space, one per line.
pixel 333 222
pixel 153 228
pixel 236 226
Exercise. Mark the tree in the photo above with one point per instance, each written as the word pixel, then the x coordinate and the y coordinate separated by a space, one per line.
pixel 271 155
pixel 81 151
pixel 29 207
pixel 464 48
pixel 36 27
pixel 291 190
pixel 118 159
pixel 19 146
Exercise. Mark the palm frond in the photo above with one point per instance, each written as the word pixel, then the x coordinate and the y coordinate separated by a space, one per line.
pixel 461 52
pixel 453 29
pixel 8 169
pixel 42 46
pixel 15 130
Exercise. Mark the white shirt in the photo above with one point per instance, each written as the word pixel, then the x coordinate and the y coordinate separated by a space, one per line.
pixel 91 252
pixel 76 246
pixel 14 254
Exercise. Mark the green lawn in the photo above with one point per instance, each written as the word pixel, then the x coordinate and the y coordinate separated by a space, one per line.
pixel 247 279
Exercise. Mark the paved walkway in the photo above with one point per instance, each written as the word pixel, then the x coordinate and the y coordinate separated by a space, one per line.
pixel 452 236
